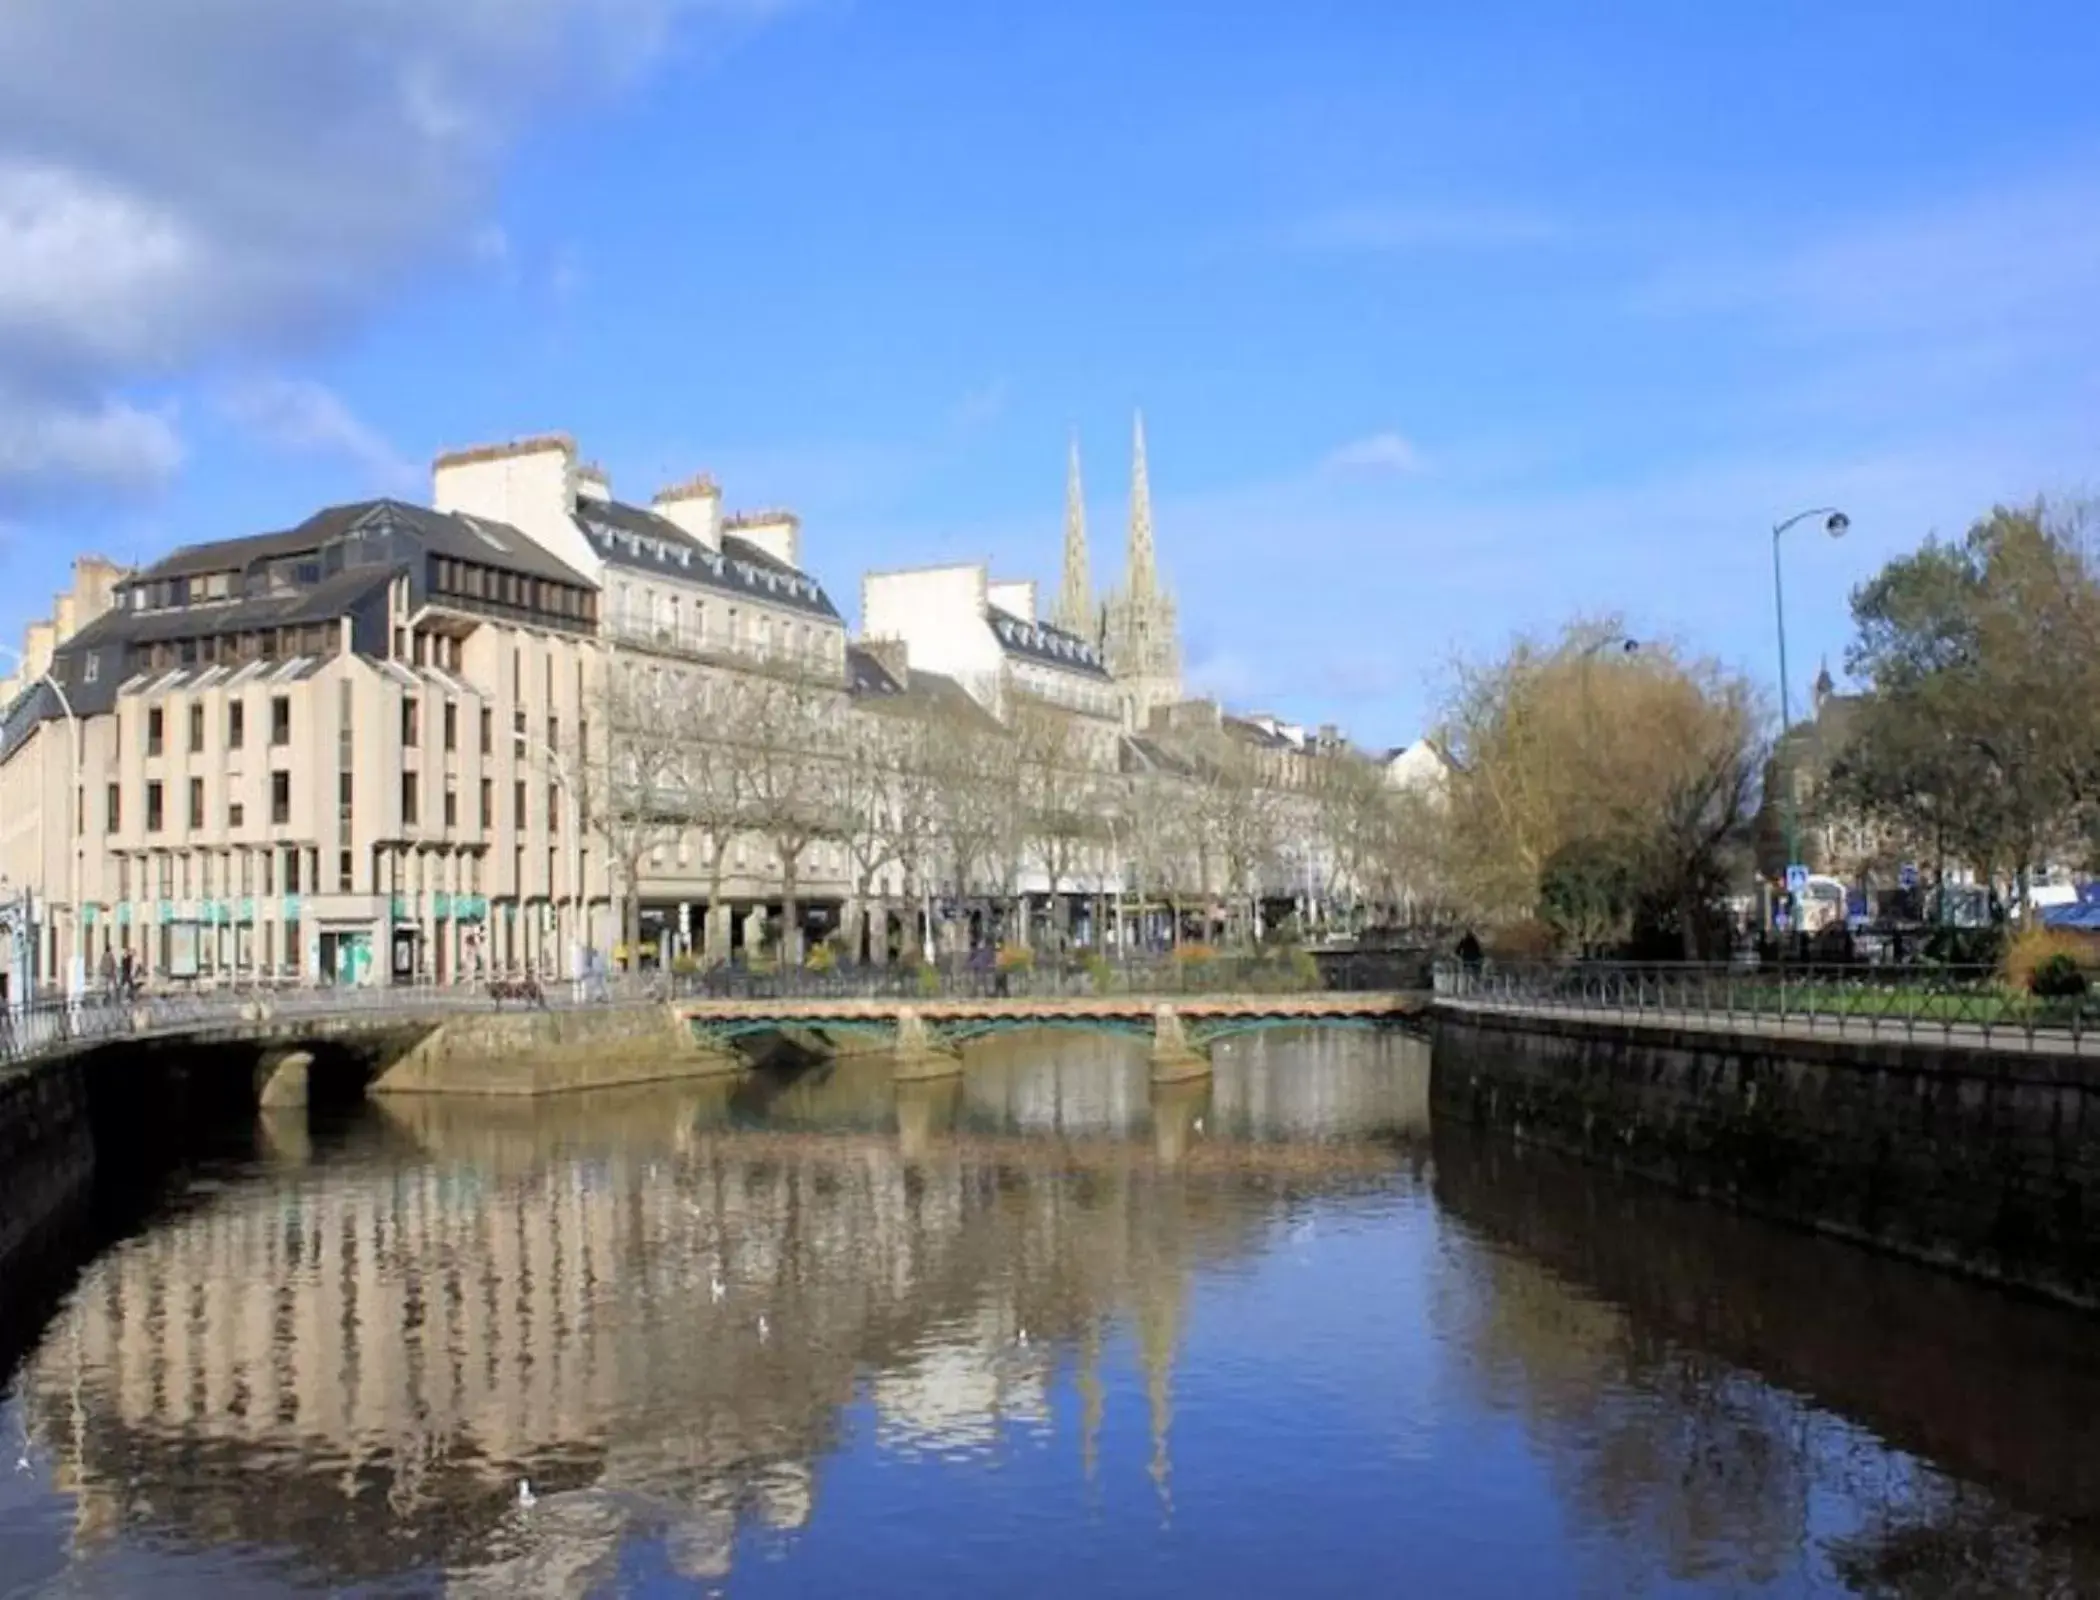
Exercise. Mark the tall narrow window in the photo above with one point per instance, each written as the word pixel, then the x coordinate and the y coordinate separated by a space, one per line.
pixel 196 803
pixel 280 719
pixel 280 798
pixel 113 809
pixel 155 730
pixel 196 728
pixel 236 724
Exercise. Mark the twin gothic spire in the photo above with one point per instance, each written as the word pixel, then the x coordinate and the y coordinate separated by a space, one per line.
pixel 1075 610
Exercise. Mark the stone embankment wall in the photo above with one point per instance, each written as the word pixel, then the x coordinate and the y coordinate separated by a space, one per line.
pixel 1984 1161
pixel 528 1052
pixel 47 1150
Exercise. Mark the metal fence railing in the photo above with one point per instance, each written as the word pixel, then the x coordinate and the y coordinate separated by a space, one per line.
pixel 56 1022
pixel 1954 1004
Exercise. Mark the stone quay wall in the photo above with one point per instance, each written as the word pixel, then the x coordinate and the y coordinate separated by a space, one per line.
pixel 1985 1161
pixel 47 1150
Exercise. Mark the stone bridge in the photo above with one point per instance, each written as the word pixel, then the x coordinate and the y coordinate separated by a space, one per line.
pixel 463 1040
pixel 925 1036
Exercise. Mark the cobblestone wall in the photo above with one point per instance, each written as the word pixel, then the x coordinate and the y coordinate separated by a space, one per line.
pixel 47 1150
pixel 1984 1161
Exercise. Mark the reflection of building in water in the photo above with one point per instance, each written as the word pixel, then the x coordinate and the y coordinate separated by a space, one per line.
pixel 398 1334
pixel 1310 1083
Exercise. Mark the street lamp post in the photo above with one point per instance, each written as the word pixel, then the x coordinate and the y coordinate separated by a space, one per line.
pixel 76 962
pixel 1835 522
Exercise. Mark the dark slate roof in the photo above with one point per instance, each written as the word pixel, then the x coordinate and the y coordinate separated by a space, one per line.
pixel 231 555
pixel 464 538
pixel 922 694
pixel 641 541
pixel 1138 753
pixel 323 602
pixel 867 676
pixel 1041 641
pixel 492 544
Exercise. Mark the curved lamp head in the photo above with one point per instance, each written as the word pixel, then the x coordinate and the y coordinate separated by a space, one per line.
pixel 1836 523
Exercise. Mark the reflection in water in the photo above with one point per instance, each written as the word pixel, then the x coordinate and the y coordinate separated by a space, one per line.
pixel 1046 1327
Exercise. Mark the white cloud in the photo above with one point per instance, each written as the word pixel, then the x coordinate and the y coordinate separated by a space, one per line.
pixel 47 447
pixel 230 176
pixel 1380 452
pixel 307 418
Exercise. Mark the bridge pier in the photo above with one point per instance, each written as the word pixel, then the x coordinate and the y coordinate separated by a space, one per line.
pixel 1175 1059
pixel 925 1112
pixel 284 1079
pixel 922 1055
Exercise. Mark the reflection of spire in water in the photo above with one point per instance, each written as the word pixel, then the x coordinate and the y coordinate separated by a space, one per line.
pixel 463 1296
pixel 1090 1399
pixel 1159 1335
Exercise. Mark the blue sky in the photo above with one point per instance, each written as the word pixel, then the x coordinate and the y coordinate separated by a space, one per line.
pixel 1444 324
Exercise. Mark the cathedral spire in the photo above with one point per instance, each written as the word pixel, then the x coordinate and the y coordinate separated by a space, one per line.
pixel 1075 601
pixel 1142 579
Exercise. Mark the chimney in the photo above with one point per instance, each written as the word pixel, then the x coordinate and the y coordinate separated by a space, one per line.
pixel 778 533
pixel 695 506
pixel 592 483
pixel 1014 596
pixel 528 484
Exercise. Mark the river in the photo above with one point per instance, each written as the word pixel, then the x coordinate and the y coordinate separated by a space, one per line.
pixel 1046 1331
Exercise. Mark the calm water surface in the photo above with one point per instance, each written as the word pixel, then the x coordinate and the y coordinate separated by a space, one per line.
pixel 1043 1332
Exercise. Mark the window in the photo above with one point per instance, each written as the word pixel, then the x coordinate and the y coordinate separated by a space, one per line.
pixel 196 729
pixel 488 731
pixel 554 733
pixel 236 724
pixel 553 806
pixel 345 795
pixel 196 802
pixel 451 803
pixel 408 799
pixel 411 722
pixel 236 813
pixel 281 800
pixel 451 725
pixel 517 806
pixel 154 731
pixel 291 870
pixel 153 807
pixel 280 719
pixel 488 804
pixel 345 872
pixel 112 808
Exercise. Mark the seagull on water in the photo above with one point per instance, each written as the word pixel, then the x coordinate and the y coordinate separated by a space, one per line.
pixel 715 1291
pixel 1021 1339
pixel 763 1330
pixel 22 1462
pixel 526 1498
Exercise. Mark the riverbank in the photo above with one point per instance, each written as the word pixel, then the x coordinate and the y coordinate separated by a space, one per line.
pixel 1984 1162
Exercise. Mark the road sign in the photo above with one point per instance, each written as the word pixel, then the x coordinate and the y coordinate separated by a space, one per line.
pixel 1907 875
pixel 1796 878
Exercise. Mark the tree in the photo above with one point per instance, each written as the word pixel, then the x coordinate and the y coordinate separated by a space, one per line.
pixel 632 781
pixel 1564 758
pixel 971 770
pixel 1980 730
pixel 1059 794
pixel 786 724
